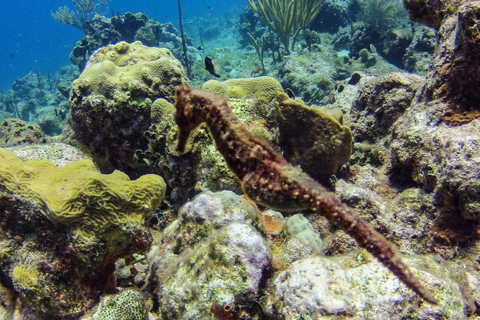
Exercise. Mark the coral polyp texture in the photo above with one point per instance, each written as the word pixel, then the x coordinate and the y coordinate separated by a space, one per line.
pixel 111 101
pixel 268 179
pixel 127 305
pixel 63 229
pixel 264 88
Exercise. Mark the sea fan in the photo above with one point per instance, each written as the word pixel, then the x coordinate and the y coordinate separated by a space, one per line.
pixel 381 15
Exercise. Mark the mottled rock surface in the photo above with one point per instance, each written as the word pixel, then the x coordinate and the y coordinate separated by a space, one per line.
pixel 223 266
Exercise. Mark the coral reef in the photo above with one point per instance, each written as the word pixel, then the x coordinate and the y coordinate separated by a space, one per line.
pixel 60 154
pixel 313 139
pixel 454 66
pixel 111 101
pixel 301 240
pixel 421 192
pixel 130 123
pixel 270 180
pixel 380 103
pixel 39 100
pixel 78 18
pixel 63 229
pixel 14 132
pixel 334 14
pixel 381 15
pixel 101 31
pixel 74 243
pixel 432 12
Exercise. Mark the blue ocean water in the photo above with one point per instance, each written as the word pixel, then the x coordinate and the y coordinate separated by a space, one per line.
pixel 31 40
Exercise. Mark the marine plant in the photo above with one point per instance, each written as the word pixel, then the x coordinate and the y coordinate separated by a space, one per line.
pixel 83 10
pixel 381 15
pixel 260 45
pixel 287 18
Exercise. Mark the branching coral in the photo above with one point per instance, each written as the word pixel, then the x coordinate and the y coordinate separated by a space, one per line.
pixel 77 18
pixel 285 17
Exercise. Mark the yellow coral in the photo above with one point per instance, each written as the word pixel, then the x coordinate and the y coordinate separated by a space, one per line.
pixel 78 196
pixel 265 88
pixel 25 278
pixel 117 67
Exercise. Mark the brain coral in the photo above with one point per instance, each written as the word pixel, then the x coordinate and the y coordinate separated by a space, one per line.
pixel 91 204
pixel 63 228
pixel 265 88
pixel 111 101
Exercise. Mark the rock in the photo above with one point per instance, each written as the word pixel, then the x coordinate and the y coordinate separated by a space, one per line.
pixel 354 288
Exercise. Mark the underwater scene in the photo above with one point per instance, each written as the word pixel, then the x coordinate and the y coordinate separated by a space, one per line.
pixel 243 159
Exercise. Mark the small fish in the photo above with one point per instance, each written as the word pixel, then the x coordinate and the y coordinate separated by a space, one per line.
pixel 290 93
pixel 56 112
pixel 200 47
pixel 209 8
pixel 210 67
pixel 12 55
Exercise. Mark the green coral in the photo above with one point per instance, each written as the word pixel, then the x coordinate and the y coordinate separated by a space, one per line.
pixel 264 88
pixel 89 203
pixel 127 305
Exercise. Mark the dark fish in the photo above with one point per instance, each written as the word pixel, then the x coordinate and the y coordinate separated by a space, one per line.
pixel 200 48
pixel 12 55
pixel 290 93
pixel 209 8
pixel 210 67
pixel 56 112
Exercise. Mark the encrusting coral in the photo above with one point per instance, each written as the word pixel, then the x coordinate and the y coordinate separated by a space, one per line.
pixel 127 305
pixel 268 179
